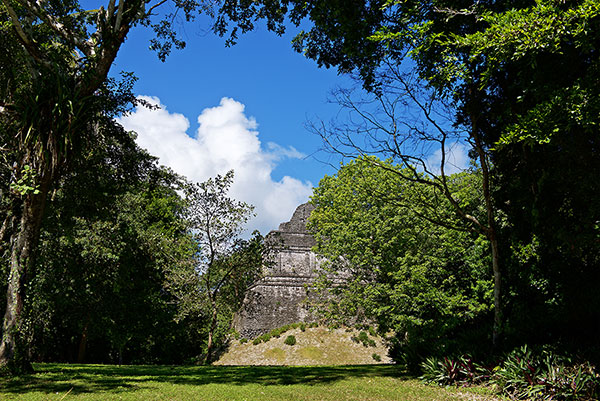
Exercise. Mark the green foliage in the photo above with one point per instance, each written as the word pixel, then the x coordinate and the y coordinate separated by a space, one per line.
pixel 290 340
pixel 409 275
pixel 376 357
pixel 459 371
pixel 224 264
pixel 112 235
pixel 277 332
pixel 527 375
pixel 363 338
pixel 520 79
pixel 523 374
pixel 262 339
pixel 26 183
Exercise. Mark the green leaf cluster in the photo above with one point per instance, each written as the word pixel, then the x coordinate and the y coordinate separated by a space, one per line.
pixel 417 278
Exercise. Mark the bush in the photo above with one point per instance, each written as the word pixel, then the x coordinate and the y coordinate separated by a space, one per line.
pixel 262 339
pixel 524 375
pixel 372 331
pixel 545 375
pixel 363 338
pixel 302 327
pixel 290 340
pixel 243 340
pixel 456 371
pixel 376 357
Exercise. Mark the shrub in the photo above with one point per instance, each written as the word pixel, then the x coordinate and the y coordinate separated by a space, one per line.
pixel 363 338
pixel 264 338
pixel 302 327
pixel 372 331
pixel 457 371
pixel 523 375
pixel 290 340
pixel 376 357
pixel 243 340
pixel 545 375
pixel 313 324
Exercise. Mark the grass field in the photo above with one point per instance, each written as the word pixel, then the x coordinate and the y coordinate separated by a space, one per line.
pixel 106 382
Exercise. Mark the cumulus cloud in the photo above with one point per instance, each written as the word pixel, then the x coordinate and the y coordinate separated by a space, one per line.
pixel 457 159
pixel 226 139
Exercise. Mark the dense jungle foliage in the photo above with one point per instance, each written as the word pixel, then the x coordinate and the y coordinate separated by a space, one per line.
pixel 100 251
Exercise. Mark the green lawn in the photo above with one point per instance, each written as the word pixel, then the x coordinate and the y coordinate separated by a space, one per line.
pixel 106 382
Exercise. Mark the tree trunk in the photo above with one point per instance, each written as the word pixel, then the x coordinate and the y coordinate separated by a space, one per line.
pixel 23 243
pixel 211 332
pixel 497 329
pixel 83 342
pixel 491 233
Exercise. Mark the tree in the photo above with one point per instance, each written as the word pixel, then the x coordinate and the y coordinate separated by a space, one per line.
pixel 521 77
pixel 113 231
pixel 427 283
pixel 225 264
pixel 409 123
pixel 54 89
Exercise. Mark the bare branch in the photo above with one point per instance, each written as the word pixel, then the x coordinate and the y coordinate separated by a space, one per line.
pixel 160 3
pixel 119 19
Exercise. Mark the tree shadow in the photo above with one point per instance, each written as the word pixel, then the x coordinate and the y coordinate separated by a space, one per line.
pixel 59 378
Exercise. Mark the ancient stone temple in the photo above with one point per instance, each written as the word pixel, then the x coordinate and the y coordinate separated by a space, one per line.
pixel 279 297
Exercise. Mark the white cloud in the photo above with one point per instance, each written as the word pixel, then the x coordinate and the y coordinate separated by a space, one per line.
pixel 226 139
pixel 457 159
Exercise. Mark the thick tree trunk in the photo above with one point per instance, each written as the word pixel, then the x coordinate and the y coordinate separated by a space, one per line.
pixel 23 244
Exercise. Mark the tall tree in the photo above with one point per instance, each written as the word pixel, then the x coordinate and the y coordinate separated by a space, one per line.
pixel 522 79
pixel 54 88
pixel 114 229
pixel 410 123
pixel 427 283
pixel 225 264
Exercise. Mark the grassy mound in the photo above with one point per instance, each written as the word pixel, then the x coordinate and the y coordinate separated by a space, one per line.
pixel 313 346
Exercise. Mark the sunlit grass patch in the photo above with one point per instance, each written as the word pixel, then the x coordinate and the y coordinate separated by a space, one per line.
pixel 104 382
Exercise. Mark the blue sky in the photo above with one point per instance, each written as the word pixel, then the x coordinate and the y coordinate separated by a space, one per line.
pixel 244 108
pixel 266 83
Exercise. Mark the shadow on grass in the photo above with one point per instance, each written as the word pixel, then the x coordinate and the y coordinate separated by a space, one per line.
pixel 60 378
